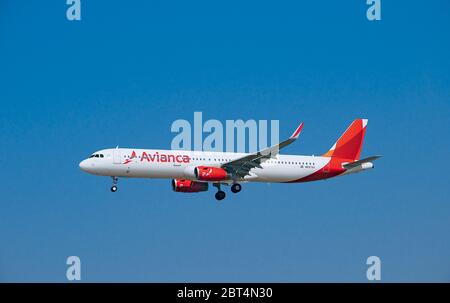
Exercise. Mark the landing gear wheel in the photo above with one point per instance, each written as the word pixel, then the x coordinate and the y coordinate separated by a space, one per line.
pixel 114 184
pixel 236 187
pixel 220 195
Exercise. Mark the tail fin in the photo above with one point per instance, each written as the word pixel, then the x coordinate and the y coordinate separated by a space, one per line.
pixel 349 145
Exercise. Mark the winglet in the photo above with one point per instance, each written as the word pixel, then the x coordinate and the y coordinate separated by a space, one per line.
pixel 297 132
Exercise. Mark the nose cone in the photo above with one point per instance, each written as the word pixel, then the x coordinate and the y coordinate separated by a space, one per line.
pixel 84 165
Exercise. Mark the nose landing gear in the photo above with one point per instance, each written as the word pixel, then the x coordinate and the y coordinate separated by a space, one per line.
pixel 114 184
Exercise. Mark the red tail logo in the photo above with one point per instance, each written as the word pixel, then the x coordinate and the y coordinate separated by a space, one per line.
pixel 349 145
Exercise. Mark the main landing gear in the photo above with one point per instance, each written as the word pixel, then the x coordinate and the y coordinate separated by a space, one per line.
pixel 236 187
pixel 220 194
pixel 114 184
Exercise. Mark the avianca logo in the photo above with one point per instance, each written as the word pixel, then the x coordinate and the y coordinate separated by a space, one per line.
pixel 206 174
pixel 130 159
pixel 157 157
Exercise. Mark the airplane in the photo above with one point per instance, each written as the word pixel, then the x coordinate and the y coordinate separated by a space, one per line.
pixel 192 171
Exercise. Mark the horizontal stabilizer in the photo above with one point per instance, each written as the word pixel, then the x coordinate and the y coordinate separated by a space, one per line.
pixel 359 162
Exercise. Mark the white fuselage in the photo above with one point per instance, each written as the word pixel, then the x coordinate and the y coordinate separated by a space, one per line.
pixel 178 164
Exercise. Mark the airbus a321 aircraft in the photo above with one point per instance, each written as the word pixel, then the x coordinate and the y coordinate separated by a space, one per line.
pixel 192 171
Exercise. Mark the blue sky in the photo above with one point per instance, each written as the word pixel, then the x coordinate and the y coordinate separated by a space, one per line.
pixel 122 74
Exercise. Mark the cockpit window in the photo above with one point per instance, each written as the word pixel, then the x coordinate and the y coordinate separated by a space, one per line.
pixel 96 156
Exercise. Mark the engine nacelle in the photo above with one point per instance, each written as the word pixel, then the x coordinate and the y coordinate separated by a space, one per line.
pixel 188 186
pixel 208 173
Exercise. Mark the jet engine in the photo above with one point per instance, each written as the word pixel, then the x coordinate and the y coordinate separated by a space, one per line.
pixel 208 173
pixel 188 186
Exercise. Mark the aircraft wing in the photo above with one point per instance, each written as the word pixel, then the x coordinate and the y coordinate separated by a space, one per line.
pixel 240 167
